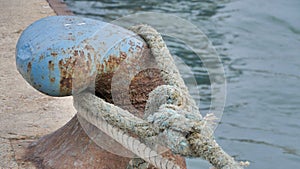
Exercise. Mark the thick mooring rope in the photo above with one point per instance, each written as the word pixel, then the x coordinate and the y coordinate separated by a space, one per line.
pixel 194 131
pixel 95 110
pixel 170 113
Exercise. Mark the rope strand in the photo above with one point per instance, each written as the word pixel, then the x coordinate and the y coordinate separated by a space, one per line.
pixel 134 145
pixel 171 115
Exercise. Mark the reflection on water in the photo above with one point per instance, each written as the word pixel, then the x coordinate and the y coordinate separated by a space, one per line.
pixel 258 42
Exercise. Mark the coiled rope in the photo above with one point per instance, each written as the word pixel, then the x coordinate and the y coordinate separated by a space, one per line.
pixel 170 113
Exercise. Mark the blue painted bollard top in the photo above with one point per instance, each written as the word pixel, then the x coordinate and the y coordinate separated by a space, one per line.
pixel 54 52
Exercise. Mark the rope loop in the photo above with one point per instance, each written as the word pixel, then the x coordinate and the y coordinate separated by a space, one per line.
pixel 171 118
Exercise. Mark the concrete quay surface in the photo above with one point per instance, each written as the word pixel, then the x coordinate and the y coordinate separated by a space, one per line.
pixel 25 114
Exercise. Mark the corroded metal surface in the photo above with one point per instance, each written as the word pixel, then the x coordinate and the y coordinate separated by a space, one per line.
pixel 61 54
pixel 129 86
pixel 84 51
pixel 69 147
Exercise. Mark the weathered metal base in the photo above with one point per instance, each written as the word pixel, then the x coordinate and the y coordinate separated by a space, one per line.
pixel 70 147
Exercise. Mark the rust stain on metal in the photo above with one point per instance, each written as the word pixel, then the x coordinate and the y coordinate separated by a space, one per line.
pixel 83 70
pixel 140 86
pixel 54 54
pixel 41 57
pixel 52 79
pixel 131 43
pixel 66 72
pixel 51 65
pixel 75 72
pixel 123 55
pixel 89 57
pixel 89 47
pixel 113 62
pixel 106 72
pixel 81 54
pixel 76 53
pixel 63 51
pixel 29 67
pixel 103 86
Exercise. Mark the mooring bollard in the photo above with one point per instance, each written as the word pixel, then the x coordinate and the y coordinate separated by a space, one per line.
pixel 49 51
pixel 65 55
pixel 62 55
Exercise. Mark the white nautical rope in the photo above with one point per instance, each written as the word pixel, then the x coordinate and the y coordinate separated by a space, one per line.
pixel 87 106
pixel 170 113
pixel 187 133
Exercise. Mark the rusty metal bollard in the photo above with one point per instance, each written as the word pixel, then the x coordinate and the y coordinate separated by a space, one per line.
pixel 63 55
pixel 66 55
